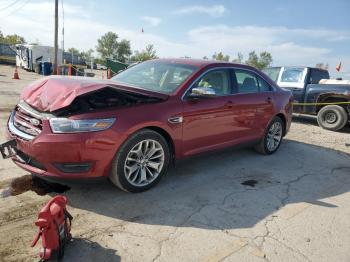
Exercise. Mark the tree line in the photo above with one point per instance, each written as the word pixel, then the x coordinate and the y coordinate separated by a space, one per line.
pixel 110 46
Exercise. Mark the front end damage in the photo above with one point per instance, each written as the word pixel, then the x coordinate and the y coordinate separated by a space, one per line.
pixel 36 148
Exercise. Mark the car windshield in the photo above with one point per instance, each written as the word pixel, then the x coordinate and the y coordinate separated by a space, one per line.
pixel 158 76
pixel 293 75
pixel 272 72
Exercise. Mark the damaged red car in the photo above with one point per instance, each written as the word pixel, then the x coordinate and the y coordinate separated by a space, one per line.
pixel 131 127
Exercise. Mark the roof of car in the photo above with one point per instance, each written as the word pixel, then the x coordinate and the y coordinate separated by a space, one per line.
pixel 195 62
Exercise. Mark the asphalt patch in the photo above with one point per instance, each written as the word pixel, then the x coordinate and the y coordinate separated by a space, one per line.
pixel 250 183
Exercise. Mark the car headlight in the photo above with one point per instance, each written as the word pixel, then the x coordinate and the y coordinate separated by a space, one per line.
pixel 65 125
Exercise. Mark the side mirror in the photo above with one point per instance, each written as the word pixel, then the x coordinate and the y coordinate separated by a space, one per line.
pixel 202 92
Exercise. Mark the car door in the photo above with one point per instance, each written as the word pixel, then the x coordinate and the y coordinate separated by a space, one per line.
pixel 252 105
pixel 207 121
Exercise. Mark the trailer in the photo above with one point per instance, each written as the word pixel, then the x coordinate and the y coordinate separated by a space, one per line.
pixel 30 56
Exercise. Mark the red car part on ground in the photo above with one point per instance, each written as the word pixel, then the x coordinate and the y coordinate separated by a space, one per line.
pixel 54 224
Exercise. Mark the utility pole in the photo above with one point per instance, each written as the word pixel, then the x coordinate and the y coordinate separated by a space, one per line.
pixel 56 38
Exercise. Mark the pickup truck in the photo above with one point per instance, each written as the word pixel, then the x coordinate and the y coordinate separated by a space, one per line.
pixel 315 94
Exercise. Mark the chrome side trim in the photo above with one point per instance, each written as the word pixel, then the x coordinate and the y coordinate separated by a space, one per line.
pixel 17 132
pixel 224 67
pixel 175 120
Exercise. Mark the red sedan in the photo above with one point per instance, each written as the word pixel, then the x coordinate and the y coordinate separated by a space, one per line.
pixel 131 127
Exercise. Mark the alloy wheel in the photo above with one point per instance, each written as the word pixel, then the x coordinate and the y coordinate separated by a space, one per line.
pixel 274 136
pixel 144 162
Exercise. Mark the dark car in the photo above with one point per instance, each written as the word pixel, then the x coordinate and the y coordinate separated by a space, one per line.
pixel 131 127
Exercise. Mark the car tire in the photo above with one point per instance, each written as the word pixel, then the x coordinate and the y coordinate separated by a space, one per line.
pixel 133 164
pixel 332 117
pixel 273 134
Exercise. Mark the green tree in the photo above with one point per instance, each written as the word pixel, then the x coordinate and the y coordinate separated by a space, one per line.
pixel 109 47
pixel 73 50
pixel 262 61
pixel 123 51
pixel 148 53
pixel 87 55
pixel 11 39
pixel 238 59
pixel 221 57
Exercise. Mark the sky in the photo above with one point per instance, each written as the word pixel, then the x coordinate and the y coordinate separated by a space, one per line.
pixel 295 32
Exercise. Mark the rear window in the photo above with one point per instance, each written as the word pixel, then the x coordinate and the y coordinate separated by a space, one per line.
pixel 272 72
pixel 292 75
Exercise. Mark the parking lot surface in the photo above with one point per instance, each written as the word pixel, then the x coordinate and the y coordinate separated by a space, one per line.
pixel 231 205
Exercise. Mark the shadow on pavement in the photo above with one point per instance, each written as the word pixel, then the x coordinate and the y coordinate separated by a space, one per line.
pixel 207 191
pixel 85 250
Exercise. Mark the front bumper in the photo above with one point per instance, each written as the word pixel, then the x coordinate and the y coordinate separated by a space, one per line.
pixel 71 156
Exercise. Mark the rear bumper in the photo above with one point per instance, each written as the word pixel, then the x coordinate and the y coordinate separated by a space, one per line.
pixel 68 156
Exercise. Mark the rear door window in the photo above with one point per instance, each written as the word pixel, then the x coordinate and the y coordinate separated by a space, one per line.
pixel 248 82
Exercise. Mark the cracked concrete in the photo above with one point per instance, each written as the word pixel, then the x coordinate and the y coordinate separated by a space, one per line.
pixel 297 211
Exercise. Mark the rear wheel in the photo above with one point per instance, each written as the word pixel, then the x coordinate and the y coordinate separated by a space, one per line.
pixel 272 138
pixel 332 117
pixel 140 162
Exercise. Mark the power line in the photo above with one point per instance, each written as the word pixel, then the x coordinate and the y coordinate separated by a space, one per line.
pixel 13 3
pixel 16 10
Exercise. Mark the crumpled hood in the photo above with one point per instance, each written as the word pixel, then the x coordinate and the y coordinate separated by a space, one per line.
pixel 55 92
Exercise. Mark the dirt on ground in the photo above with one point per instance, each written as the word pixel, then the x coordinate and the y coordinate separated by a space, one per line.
pixel 232 205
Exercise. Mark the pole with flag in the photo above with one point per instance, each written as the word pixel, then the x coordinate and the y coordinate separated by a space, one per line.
pixel 338 67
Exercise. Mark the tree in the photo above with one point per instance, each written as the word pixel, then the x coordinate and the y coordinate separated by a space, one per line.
pixel 239 59
pixel 148 53
pixel 221 57
pixel 87 55
pixel 123 51
pixel 205 58
pixel 262 61
pixel 11 39
pixel 73 50
pixel 109 47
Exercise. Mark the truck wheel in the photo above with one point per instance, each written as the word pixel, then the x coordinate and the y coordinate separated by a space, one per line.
pixel 272 138
pixel 332 117
pixel 140 162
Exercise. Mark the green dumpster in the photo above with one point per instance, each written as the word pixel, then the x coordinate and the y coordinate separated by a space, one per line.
pixel 115 66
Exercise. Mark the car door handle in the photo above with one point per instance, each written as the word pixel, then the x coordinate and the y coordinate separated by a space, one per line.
pixel 229 104
pixel 269 100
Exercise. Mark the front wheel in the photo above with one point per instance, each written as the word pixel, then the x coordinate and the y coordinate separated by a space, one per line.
pixel 332 117
pixel 272 138
pixel 140 162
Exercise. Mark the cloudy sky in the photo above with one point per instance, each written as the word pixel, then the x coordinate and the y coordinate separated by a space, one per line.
pixel 295 32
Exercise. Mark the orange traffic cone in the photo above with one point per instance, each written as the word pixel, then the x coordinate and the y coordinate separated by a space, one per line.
pixel 15 75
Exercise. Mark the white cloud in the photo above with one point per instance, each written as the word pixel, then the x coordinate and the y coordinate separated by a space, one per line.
pixel 286 45
pixel 151 20
pixel 214 10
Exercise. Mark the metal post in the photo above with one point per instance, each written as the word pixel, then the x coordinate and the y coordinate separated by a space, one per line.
pixel 56 37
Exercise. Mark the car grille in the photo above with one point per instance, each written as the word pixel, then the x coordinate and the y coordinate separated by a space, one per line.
pixel 27 122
